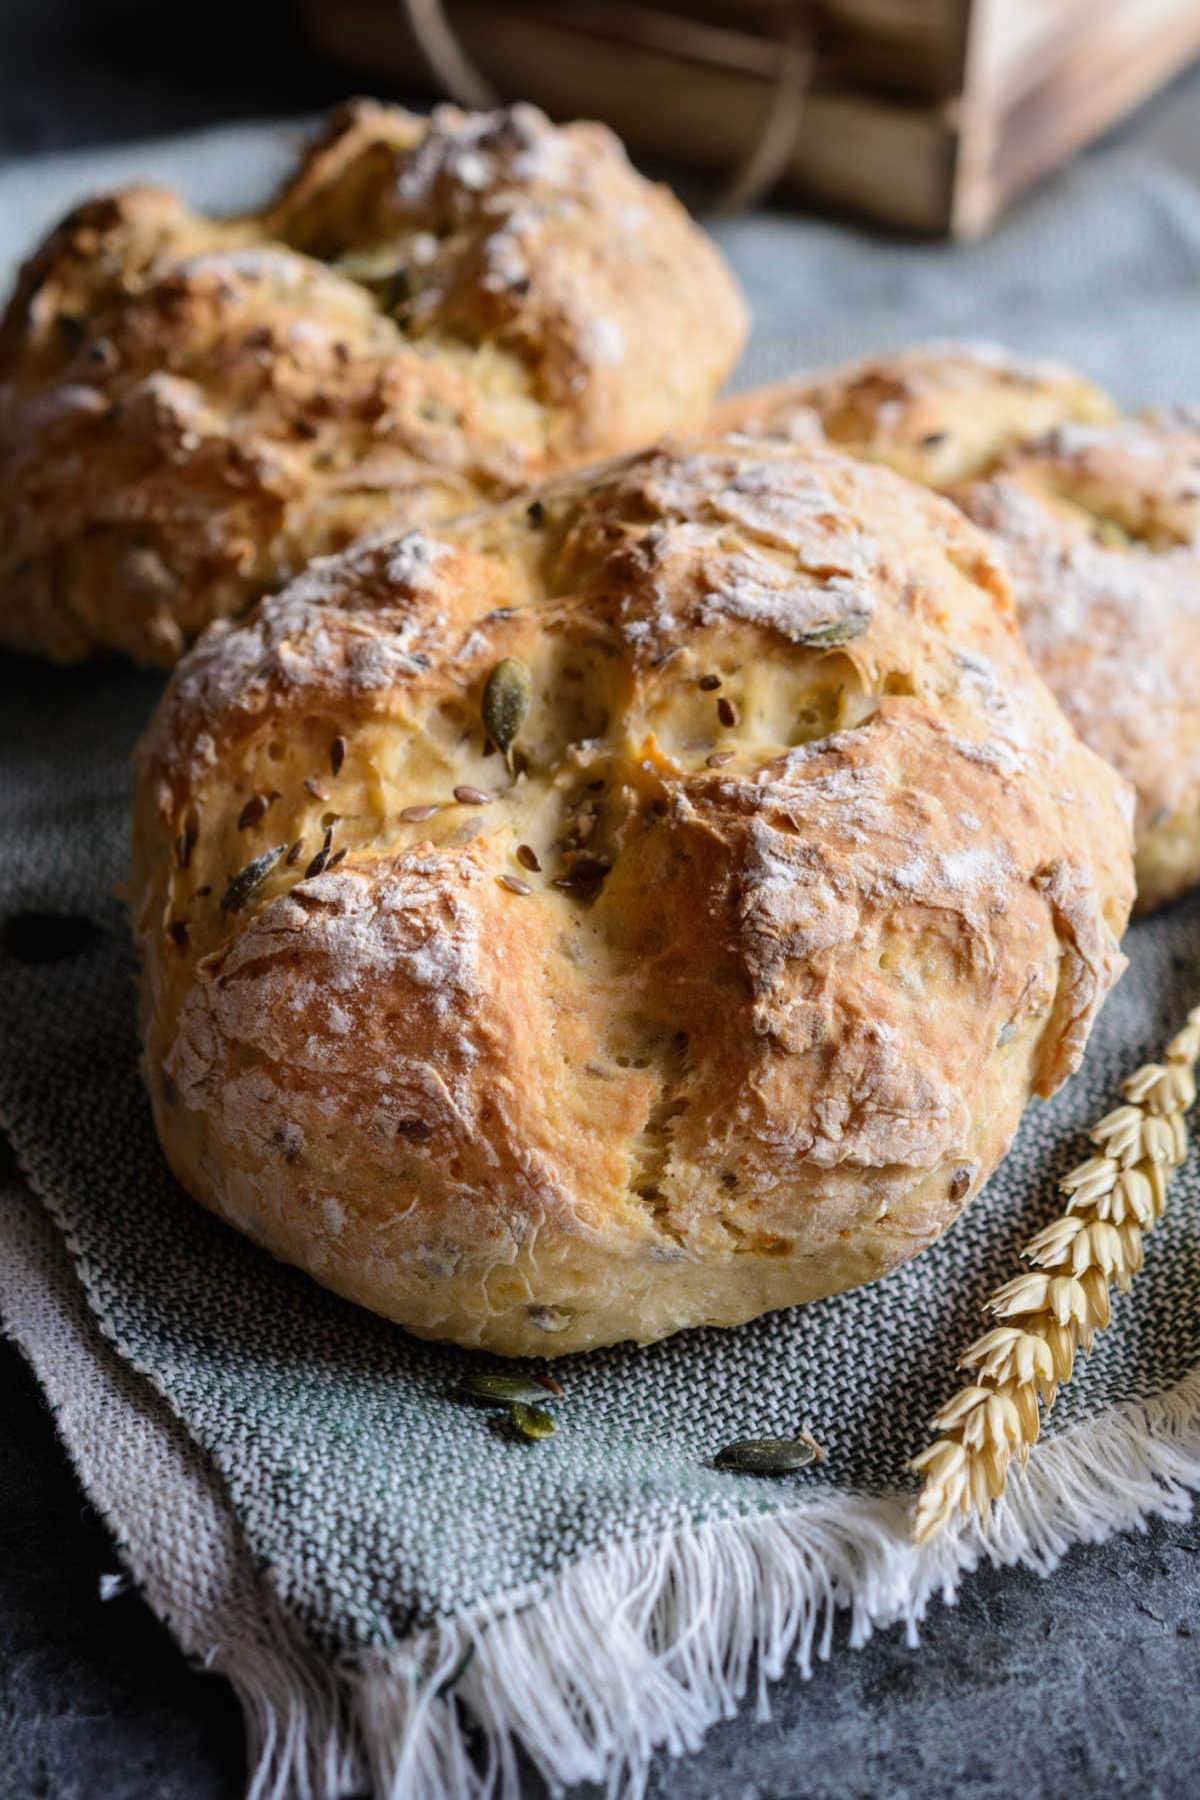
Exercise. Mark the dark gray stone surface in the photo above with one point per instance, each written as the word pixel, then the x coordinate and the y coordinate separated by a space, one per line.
pixel 76 72
pixel 1083 1685
pixel 96 1703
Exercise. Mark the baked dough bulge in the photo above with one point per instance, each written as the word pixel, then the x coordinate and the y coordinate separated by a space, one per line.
pixel 1101 522
pixel 728 997
pixel 433 313
pixel 939 413
pixel 1100 527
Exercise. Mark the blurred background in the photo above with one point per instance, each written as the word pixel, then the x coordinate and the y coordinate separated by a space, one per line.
pixel 927 115
pixel 930 123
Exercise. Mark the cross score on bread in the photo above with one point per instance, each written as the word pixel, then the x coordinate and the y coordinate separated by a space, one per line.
pixel 727 994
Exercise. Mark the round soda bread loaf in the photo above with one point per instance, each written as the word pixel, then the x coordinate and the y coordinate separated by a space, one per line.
pixel 433 313
pixel 938 413
pixel 718 986
pixel 1100 529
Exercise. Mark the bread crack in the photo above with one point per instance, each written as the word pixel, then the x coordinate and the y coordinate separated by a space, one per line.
pixel 650 1152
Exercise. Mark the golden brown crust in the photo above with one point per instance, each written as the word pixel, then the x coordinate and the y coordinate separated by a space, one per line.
pixel 729 1000
pixel 1100 527
pixel 938 413
pixel 433 313
pixel 1101 521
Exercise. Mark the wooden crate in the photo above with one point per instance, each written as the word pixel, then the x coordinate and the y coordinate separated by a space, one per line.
pixel 931 115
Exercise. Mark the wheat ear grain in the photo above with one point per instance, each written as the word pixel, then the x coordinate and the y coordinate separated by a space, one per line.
pixel 1057 1306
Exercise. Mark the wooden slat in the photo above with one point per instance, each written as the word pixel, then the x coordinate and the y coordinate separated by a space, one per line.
pixel 1034 80
pixel 918 47
pixel 1097 76
pixel 913 47
pixel 886 159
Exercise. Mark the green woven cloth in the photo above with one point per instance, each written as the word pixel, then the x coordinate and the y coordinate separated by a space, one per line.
pixel 373 1562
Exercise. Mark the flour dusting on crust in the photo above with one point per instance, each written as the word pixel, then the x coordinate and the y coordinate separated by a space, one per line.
pixel 723 990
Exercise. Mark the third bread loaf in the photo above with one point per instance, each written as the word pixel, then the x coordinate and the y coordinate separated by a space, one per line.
pixel 1100 527
pixel 1099 520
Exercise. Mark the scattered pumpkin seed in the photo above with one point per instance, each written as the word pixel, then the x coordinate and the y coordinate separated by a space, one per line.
pixel 709 683
pixel 1111 535
pixel 367 266
pixel 769 1456
pixel 499 1389
pixel 315 789
pixel 527 857
pixel 532 1422
pixel 514 884
pixel 417 815
pixel 551 1386
pixel 726 711
pixel 253 813
pixel 471 796
pixel 247 881
pixel 506 698
pixel 293 855
pixel 835 631
pixel 336 858
pixel 337 754
pixel 718 759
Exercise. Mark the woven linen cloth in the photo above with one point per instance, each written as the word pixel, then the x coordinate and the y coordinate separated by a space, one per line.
pixel 291 1481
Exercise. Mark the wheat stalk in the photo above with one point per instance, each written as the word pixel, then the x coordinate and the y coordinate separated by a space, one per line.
pixel 1057 1307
